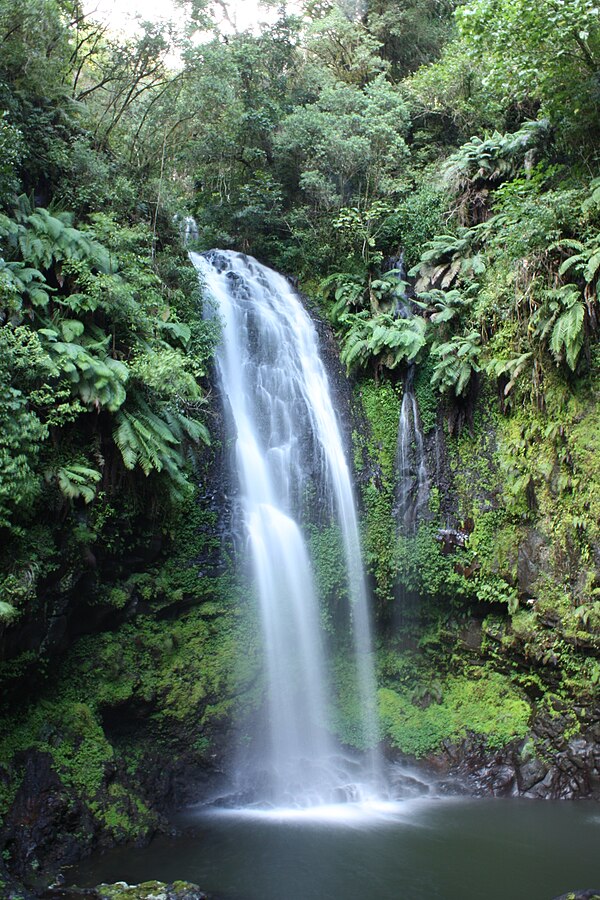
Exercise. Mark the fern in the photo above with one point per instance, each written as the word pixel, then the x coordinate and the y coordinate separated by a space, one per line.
pixel 456 362
pixel 45 239
pixel 568 333
pixel 7 611
pixel 384 338
pixel 448 259
pixel 346 289
pixel 512 368
pixel 76 480
pixel 145 440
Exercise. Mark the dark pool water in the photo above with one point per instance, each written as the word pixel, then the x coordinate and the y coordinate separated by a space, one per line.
pixel 452 849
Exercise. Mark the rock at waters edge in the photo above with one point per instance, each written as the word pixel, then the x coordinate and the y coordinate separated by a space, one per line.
pixel 149 890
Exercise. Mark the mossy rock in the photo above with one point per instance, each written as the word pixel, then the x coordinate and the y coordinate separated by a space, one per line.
pixel 149 890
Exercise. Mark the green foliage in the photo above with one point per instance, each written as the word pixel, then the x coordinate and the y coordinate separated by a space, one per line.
pixel 10 153
pixel 485 705
pixel 424 570
pixel 415 219
pixel 349 142
pixel 447 258
pixel 382 337
pixel 346 714
pixel 457 360
pixel 327 554
pixel 381 405
pixel 549 52
pixel 480 165
pixel 78 321
pixel 309 146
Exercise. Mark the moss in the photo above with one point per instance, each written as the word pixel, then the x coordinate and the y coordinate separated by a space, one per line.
pixel 486 705
pixel 381 404
pixel 375 455
pixel 148 890
pixel 346 714
pixel 379 540
pixel 427 397
pixel 424 569
pixel 168 685
pixel 328 557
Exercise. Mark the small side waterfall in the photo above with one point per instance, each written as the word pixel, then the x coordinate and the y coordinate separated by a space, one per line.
pixel 413 478
pixel 289 445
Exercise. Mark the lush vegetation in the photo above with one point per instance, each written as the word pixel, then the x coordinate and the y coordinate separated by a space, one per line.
pixel 429 172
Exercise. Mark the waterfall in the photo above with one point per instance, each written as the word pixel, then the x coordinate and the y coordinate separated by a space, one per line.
pixel 413 478
pixel 289 447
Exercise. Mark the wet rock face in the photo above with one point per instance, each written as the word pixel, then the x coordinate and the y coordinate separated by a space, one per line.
pixel 533 558
pixel 43 820
pixel 48 827
pixel 545 766
pixel 149 890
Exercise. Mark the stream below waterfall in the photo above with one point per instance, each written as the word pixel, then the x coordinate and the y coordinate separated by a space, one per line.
pixel 418 849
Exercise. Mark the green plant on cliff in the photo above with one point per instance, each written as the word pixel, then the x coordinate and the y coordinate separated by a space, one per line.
pixel 482 704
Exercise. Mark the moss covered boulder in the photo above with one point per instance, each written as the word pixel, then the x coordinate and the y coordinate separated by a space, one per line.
pixel 149 890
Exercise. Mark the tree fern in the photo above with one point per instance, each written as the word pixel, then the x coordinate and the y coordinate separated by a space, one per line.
pixel 75 480
pixel 145 440
pixel 456 361
pixel 347 290
pixel 384 337
pixel 568 333
pixel 510 368
pixel 45 239
pixel 449 258
pixel 355 345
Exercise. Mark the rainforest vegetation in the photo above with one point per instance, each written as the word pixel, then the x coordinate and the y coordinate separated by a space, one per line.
pixel 429 172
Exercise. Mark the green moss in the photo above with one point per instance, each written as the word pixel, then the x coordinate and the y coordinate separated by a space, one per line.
pixel 328 557
pixel 379 537
pixel 346 714
pixel 427 397
pixel 381 404
pixel 424 569
pixel 148 890
pixel 172 681
pixel 486 705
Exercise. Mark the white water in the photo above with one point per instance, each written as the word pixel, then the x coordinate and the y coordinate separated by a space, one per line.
pixel 413 478
pixel 289 445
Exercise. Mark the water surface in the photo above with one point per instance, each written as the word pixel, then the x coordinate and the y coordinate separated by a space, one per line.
pixel 451 849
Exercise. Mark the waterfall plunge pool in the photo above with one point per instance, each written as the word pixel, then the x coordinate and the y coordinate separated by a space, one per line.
pixel 418 849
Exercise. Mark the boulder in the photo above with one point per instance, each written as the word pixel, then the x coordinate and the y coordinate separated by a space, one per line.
pixel 149 890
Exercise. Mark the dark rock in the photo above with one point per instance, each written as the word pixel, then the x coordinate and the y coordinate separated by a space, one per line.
pixel 532 559
pixel 531 773
pixel 471 635
pixel 451 539
pixel 542 766
pixel 588 894
pixel 43 820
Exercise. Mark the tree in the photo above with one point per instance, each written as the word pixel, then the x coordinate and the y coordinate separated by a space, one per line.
pixel 412 32
pixel 548 51
pixel 348 145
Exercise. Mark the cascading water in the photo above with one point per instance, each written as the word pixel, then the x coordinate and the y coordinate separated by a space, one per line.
pixel 289 444
pixel 413 478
